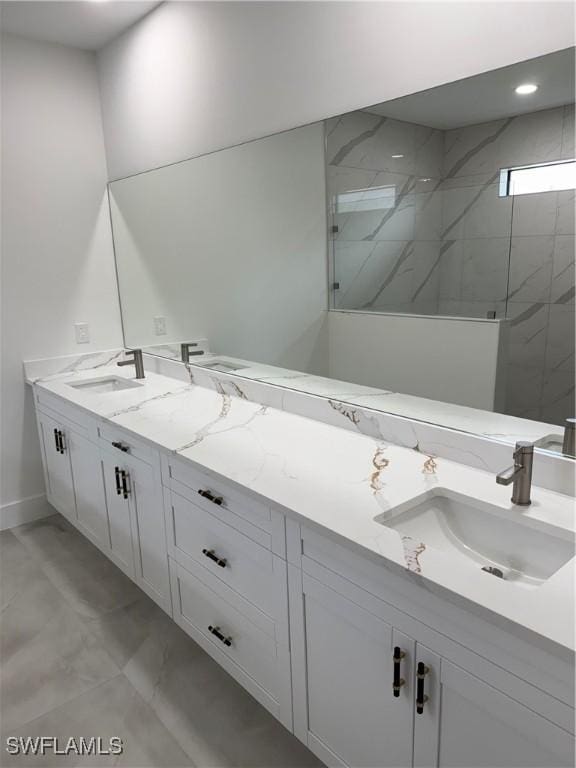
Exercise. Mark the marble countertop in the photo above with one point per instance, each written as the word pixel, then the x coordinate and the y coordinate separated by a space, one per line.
pixel 340 481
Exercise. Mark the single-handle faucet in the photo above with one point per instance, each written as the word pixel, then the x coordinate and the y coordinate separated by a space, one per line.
pixel 569 442
pixel 137 361
pixel 520 474
pixel 186 351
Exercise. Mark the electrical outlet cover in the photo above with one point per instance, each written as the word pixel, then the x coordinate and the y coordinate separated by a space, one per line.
pixel 82 333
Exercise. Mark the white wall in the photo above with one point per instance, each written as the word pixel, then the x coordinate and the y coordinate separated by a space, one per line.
pixel 230 247
pixel 57 265
pixel 193 77
pixel 448 359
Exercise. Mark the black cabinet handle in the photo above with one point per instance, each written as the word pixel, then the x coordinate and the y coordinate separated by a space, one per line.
pixel 209 553
pixel 216 632
pixel 125 483
pixel 398 681
pixel 61 441
pixel 210 496
pixel 56 440
pixel 121 446
pixel 421 672
pixel 118 485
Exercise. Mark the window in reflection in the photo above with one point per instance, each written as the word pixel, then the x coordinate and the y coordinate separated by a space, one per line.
pixel 527 180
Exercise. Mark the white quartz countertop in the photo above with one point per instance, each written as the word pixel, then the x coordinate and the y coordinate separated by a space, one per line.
pixel 338 480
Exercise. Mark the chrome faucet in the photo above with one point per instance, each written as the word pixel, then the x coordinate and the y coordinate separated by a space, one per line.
pixel 569 442
pixel 520 474
pixel 137 361
pixel 186 353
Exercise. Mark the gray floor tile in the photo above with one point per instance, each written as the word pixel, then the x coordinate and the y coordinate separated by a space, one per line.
pixel 113 709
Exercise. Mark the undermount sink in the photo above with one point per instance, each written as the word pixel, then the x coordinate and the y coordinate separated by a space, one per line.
pixel 105 384
pixel 222 365
pixel 550 443
pixel 479 534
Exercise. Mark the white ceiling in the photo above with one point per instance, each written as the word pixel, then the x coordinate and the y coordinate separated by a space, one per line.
pixel 489 96
pixel 79 23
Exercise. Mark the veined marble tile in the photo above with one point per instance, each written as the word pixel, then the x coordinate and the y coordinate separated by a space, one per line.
pixel 535 214
pixel 558 396
pixel 389 223
pixel 566 212
pixel 450 275
pixel 351 261
pixel 427 255
pixel 563 270
pixel 489 215
pixel 389 275
pixel 473 149
pixel 528 328
pixel 523 391
pixel 535 137
pixel 531 268
pixel 113 709
pixel 428 216
pixel 485 269
pixel 560 340
pixel 480 309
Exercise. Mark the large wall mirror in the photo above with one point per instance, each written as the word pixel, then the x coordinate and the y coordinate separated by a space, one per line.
pixel 415 256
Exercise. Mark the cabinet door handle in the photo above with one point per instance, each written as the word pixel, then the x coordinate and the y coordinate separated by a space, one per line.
pixel 398 681
pixel 121 446
pixel 210 496
pixel 210 554
pixel 421 671
pixel 125 483
pixel 118 484
pixel 56 440
pixel 216 632
pixel 61 441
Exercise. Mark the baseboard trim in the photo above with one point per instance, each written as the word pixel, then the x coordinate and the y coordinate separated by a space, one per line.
pixel 25 511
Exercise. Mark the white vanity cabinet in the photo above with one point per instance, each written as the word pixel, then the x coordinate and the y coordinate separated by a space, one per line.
pixel 109 487
pixel 451 707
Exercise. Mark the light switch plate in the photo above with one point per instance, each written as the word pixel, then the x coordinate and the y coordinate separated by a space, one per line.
pixel 160 325
pixel 82 333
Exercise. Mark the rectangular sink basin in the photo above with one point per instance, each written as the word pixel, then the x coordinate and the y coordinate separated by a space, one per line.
pixel 550 443
pixel 474 532
pixel 105 384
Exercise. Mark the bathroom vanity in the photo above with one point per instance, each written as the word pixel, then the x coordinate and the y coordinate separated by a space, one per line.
pixel 335 575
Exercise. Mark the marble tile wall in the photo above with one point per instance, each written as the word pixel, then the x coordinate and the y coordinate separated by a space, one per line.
pixel 442 241
pixel 387 244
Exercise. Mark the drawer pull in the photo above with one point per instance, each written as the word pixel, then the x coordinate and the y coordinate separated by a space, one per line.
pixel 209 553
pixel 421 672
pixel 121 446
pixel 118 483
pixel 216 632
pixel 398 681
pixel 61 441
pixel 210 496
pixel 56 440
pixel 125 483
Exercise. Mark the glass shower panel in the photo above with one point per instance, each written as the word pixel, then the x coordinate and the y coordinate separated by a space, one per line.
pixel 407 235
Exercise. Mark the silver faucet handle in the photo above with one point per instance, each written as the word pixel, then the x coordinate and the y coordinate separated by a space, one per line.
pixel 522 448
pixel 507 475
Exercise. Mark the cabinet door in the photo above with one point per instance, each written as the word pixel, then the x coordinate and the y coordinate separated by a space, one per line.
pixel 92 517
pixel 58 472
pixel 353 717
pixel 150 556
pixel 477 726
pixel 118 506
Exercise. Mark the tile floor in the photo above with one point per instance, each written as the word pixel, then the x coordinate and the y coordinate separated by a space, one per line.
pixel 85 653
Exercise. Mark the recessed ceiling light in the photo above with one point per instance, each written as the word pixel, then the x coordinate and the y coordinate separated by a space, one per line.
pixel 526 88
pixel 396 156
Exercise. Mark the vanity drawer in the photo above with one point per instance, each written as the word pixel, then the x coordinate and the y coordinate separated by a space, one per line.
pixel 123 442
pixel 253 571
pixel 227 626
pixel 215 496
